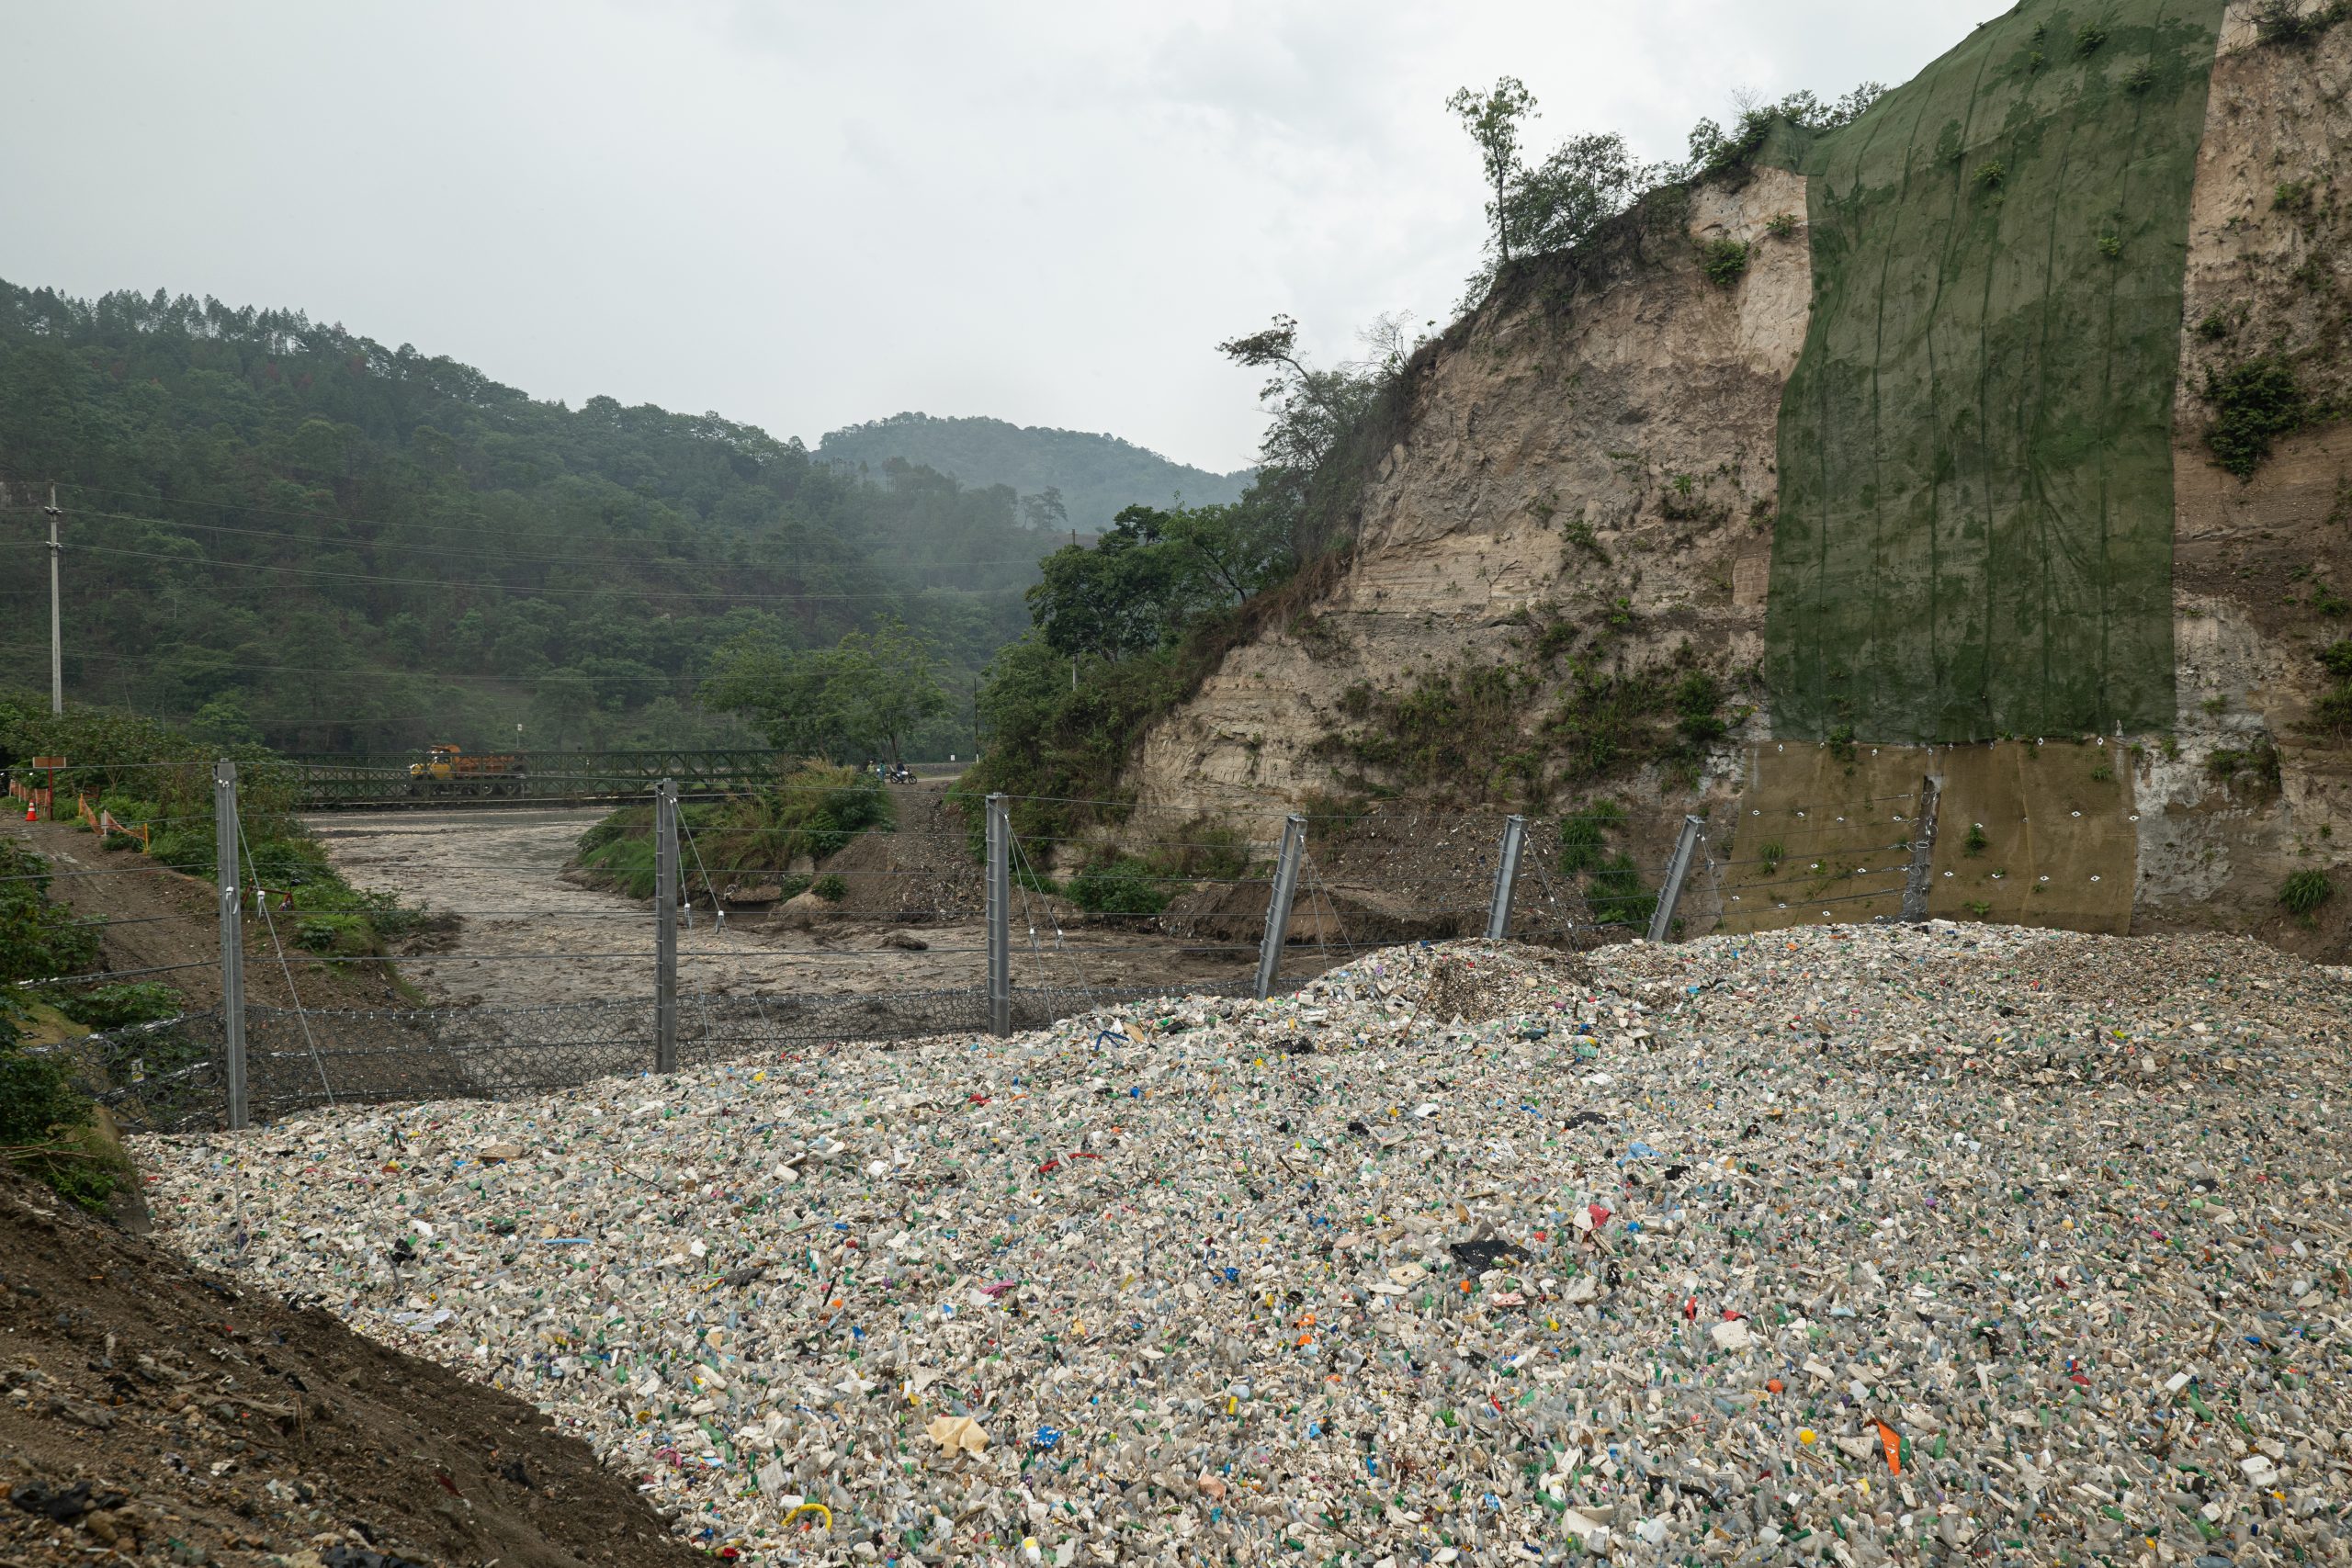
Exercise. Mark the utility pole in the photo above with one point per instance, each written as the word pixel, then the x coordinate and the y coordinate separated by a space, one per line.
pixel 56 628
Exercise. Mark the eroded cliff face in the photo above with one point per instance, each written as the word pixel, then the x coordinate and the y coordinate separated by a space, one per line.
pixel 1602 432
pixel 1605 430
pixel 2258 563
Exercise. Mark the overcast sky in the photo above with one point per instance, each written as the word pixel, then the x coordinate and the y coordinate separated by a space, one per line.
pixel 806 215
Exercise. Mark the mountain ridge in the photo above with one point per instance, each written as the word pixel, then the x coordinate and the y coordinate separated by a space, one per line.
pixel 1096 473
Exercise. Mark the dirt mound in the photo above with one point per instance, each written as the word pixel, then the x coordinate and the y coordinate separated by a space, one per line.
pixel 153 1408
pixel 1335 915
pixel 1479 986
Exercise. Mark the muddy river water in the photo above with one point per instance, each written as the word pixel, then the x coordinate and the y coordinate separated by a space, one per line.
pixel 526 936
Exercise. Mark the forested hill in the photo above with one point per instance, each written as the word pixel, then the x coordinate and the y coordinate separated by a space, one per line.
pixel 1094 476
pixel 280 530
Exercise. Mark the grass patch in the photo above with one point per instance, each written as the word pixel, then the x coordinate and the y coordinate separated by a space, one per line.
pixel 1584 838
pixel 2302 894
pixel 1612 883
pixel 1615 894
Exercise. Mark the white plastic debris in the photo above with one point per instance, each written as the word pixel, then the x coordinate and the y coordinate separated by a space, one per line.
pixel 1845 1245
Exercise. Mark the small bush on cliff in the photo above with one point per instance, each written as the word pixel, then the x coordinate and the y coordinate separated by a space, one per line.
pixel 2258 761
pixel 1459 734
pixel 2255 402
pixel 2332 712
pixel 2285 21
pixel 1724 261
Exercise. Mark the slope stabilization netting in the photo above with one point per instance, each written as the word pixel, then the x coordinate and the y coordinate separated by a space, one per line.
pixel 1976 506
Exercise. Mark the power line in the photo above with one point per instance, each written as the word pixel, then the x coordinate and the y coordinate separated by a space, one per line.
pixel 256 507
pixel 638 562
pixel 633 591
pixel 147 660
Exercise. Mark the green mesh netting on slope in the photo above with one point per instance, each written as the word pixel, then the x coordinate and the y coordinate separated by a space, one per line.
pixel 1976 513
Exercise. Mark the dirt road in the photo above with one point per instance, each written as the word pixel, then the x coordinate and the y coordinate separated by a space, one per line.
pixel 527 937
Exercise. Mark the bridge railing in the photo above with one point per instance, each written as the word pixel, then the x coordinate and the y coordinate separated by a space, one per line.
pixel 332 782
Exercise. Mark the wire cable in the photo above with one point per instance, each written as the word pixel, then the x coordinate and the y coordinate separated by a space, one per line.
pixel 622 562
pixel 470 529
pixel 261 895
pixel 540 590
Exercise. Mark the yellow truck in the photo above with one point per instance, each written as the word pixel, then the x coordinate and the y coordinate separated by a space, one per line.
pixel 448 770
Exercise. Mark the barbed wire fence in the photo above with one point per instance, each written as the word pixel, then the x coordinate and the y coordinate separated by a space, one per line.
pixel 1008 947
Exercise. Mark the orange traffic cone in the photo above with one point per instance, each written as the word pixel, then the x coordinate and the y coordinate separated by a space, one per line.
pixel 32 812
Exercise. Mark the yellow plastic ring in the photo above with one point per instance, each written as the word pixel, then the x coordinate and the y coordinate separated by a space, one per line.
pixel 811 1509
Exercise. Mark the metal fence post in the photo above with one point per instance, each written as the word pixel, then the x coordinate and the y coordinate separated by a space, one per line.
pixel 233 934
pixel 1506 876
pixel 1662 921
pixel 665 926
pixel 1923 854
pixel 1270 949
pixel 999 913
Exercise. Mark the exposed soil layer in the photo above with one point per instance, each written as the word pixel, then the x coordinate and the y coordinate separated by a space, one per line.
pixel 156 1413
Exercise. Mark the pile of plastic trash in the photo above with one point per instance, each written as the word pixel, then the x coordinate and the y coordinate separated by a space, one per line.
pixel 1844 1243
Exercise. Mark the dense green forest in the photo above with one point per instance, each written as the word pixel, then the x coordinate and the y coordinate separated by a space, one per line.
pixel 1066 479
pixel 281 532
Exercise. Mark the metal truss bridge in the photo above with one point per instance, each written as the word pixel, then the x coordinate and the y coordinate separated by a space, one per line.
pixel 546 778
